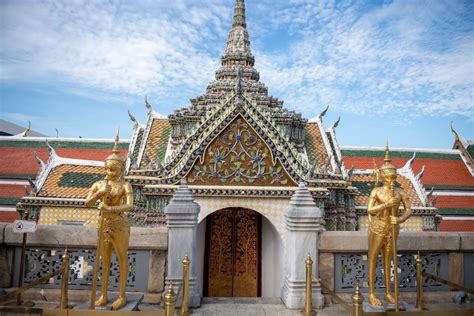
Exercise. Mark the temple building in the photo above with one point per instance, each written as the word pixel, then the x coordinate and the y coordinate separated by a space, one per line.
pixel 228 174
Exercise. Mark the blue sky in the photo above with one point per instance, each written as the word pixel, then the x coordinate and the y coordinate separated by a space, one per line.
pixel 396 70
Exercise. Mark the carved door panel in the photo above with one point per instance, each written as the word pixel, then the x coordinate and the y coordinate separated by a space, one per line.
pixel 233 253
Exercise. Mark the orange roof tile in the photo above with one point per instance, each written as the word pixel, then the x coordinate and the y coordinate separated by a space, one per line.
pixel 455 202
pixel 315 145
pixel 21 160
pixel 12 190
pixel 437 171
pixel 365 184
pixel 8 216
pixel 157 140
pixel 457 226
pixel 70 181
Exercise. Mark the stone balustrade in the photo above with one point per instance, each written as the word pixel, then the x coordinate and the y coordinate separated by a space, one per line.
pixel 452 252
pixel 343 254
pixel 148 246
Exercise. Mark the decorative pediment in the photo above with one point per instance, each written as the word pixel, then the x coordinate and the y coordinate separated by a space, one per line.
pixel 239 156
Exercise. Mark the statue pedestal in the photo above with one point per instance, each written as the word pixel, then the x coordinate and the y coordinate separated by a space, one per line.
pixel 386 307
pixel 133 300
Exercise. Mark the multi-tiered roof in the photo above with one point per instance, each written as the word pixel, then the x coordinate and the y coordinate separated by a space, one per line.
pixel 237 71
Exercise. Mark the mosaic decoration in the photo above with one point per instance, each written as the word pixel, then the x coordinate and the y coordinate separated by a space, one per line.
pixel 40 262
pixel 68 215
pixel 232 269
pixel 350 268
pixel 413 224
pixel 239 156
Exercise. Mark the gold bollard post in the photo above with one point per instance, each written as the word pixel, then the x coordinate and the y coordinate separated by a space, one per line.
pixel 419 282
pixel 308 308
pixel 184 306
pixel 357 300
pixel 170 301
pixel 64 280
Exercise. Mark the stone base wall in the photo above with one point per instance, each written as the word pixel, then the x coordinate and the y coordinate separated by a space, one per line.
pixel 452 248
pixel 49 241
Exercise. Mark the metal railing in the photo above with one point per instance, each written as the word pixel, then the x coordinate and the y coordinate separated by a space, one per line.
pixel 170 296
pixel 357 298
pixel 64 270
pixel 419 282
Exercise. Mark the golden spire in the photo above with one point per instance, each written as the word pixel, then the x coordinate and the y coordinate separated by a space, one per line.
pixel 387 154
pixel 116 151
pixel 387 161
pixel 116 144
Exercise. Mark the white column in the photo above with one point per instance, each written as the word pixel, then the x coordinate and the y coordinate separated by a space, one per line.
pixel 302 224
pixel 182 219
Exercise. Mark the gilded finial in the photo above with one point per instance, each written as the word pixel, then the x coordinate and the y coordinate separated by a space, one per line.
pixel 116 151
pixel 387 161
pixel 116 144
pixel 387 154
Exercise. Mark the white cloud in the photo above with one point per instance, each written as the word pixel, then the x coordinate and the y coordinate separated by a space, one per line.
pixel 408 57
pixel 374 60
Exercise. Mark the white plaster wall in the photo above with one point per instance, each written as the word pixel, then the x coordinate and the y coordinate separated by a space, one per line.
pixel 200 253
pixel 272 260
pixel 271 208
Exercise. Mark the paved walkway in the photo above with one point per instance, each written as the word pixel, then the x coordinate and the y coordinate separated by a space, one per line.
pixel 262 307
pixel 251 307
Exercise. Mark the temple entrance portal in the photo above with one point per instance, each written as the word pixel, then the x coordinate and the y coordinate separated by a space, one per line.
pixel 232 262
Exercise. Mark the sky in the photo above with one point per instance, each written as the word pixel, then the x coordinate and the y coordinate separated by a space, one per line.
pixel 392 70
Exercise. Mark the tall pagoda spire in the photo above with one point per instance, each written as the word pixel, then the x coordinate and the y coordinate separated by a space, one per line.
pixel 236 76
pixel 238 51
pixel 239 14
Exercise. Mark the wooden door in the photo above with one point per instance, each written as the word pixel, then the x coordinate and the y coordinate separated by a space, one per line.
pixel 233 263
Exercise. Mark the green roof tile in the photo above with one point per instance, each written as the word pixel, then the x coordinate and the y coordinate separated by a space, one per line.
pixel 449 187
pixel 399 154
pixel 79 179
pixel 9 201
pixel 456 211
pixel 366 187
pixel 17 176
pixel 163 145
pixel 61 144
pixel 470 150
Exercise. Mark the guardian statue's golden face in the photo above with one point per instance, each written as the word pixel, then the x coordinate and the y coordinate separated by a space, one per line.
pixel 389 175
pixel 113 169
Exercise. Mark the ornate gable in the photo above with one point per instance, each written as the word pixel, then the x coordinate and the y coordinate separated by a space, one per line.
pixel 239 156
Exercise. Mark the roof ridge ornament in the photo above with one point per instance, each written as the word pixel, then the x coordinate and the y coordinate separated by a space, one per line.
pixel 420 174
pixel 336 124
pixel 148 105
pixel 323 112
pixel 238 84
pixel 39 161
pixel 52 151
pixel 132 118
pixel 26 132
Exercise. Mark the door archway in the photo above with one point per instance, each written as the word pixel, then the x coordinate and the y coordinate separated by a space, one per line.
pixel 232 262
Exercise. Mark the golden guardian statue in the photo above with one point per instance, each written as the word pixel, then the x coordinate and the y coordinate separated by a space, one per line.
pixel 384 220
pixel 116 198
